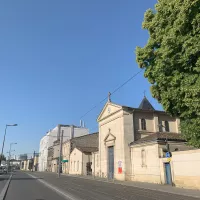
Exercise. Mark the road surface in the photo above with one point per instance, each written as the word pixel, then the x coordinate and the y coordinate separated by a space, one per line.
pixel 46 186
pixel 3 180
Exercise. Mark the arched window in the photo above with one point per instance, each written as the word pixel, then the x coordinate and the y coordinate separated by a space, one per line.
pixel 166 126
pixel 143 124
pixel 143 157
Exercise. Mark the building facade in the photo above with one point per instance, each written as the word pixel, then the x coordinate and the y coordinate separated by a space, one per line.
pixel 69 132
pixel 119 128
pixel 79 151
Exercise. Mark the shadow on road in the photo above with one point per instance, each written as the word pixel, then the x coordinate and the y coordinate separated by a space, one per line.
pixel 21 178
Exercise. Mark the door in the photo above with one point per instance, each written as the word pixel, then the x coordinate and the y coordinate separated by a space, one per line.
pixel 110 162
pixel 168 176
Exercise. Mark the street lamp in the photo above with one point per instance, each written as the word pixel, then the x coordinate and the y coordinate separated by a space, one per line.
pixel 4 139
pixel 10 148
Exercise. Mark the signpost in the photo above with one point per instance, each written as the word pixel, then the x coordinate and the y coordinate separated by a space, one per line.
pixel 64 161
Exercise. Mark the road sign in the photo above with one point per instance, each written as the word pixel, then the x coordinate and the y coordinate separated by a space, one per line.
pixel 168 154
pixel 168 159
pixel 64 161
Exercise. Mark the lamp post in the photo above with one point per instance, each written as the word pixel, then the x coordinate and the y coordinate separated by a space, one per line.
pixel 10 153
pixel 11 148
pixel 4 139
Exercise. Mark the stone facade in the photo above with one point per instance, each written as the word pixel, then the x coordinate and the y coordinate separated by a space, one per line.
pixel 81 161
pixel 118 127
pixel 89 141
pixel 185 167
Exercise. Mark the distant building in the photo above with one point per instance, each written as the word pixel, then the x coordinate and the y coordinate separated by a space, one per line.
pixel 77 154
pixel 53 156
pixel 23 157
pixel 69 132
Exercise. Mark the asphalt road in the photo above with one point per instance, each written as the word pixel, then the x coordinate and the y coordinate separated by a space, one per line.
pixel 3 180
pixel 25 187
pixel 35 186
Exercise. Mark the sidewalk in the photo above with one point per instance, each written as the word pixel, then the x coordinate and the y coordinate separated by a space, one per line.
pixel 149 186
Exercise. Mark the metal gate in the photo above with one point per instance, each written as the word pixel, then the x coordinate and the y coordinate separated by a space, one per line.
pixel 168 176
pixel 110 162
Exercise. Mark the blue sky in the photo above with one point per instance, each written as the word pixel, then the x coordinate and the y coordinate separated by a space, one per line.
pixel 60 58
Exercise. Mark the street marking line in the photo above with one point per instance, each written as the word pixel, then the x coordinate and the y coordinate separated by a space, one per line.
pixel 64 194
pixel 3 192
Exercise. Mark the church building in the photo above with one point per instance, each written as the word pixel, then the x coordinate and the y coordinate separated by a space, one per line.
pixel 133 142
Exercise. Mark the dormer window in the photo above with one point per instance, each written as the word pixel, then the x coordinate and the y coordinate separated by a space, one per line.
pixel 143 124
pixel 166 126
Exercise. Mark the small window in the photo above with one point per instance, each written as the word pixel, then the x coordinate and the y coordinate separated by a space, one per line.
pixel 143 156
pixel 74 165
pixel 97 160
pixel 77 167
pixel 143 124
pixel 166 126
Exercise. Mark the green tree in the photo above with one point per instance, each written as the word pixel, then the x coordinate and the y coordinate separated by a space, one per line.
pixel 171 59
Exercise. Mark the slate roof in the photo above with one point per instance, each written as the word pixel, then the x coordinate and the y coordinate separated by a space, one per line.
pixel 145 104
pixel 160 136
pixel 87 149
pixel 89 141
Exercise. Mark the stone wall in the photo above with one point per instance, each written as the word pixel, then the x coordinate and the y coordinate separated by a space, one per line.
pixel 145 163
pixel 185 166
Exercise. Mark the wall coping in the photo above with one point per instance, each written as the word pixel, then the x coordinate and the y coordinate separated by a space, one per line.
pixel 186 152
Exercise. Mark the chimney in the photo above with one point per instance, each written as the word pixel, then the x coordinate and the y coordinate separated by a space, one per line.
pixel 83 124
pixel 80 123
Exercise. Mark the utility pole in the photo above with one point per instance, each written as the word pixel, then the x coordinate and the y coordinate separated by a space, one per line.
pixel 59 164
pixel 33 161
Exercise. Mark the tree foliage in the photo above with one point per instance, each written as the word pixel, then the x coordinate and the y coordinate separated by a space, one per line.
pixel 171 59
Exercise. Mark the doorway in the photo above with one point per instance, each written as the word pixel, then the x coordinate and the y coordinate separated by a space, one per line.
pixel 111 162
pixel 168 176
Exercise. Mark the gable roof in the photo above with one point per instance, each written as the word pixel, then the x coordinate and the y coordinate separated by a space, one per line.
pixel 145 104
pixel 87 149
pixel 89 141
pixel 109 103
pixel 160 136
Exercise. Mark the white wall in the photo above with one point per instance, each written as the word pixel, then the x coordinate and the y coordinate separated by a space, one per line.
pixel 95 164
pixel 76 162
pixel 45 143
pixel 145 168
pixel 186 168
pixel 51 136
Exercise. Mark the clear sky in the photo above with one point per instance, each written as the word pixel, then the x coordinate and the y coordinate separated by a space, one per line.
pixel 59 58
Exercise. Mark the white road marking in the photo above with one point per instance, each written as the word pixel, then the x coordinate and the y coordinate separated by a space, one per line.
pixel 3 192
pixel 64 194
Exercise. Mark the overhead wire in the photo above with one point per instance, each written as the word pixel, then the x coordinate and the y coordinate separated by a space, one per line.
pixel 114 91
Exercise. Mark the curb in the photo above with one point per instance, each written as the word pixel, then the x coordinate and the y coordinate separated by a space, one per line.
pixel 5 189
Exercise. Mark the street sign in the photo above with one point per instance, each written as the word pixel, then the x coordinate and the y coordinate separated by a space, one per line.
pixel 168 159
pixel 168 154
pixel 64 161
